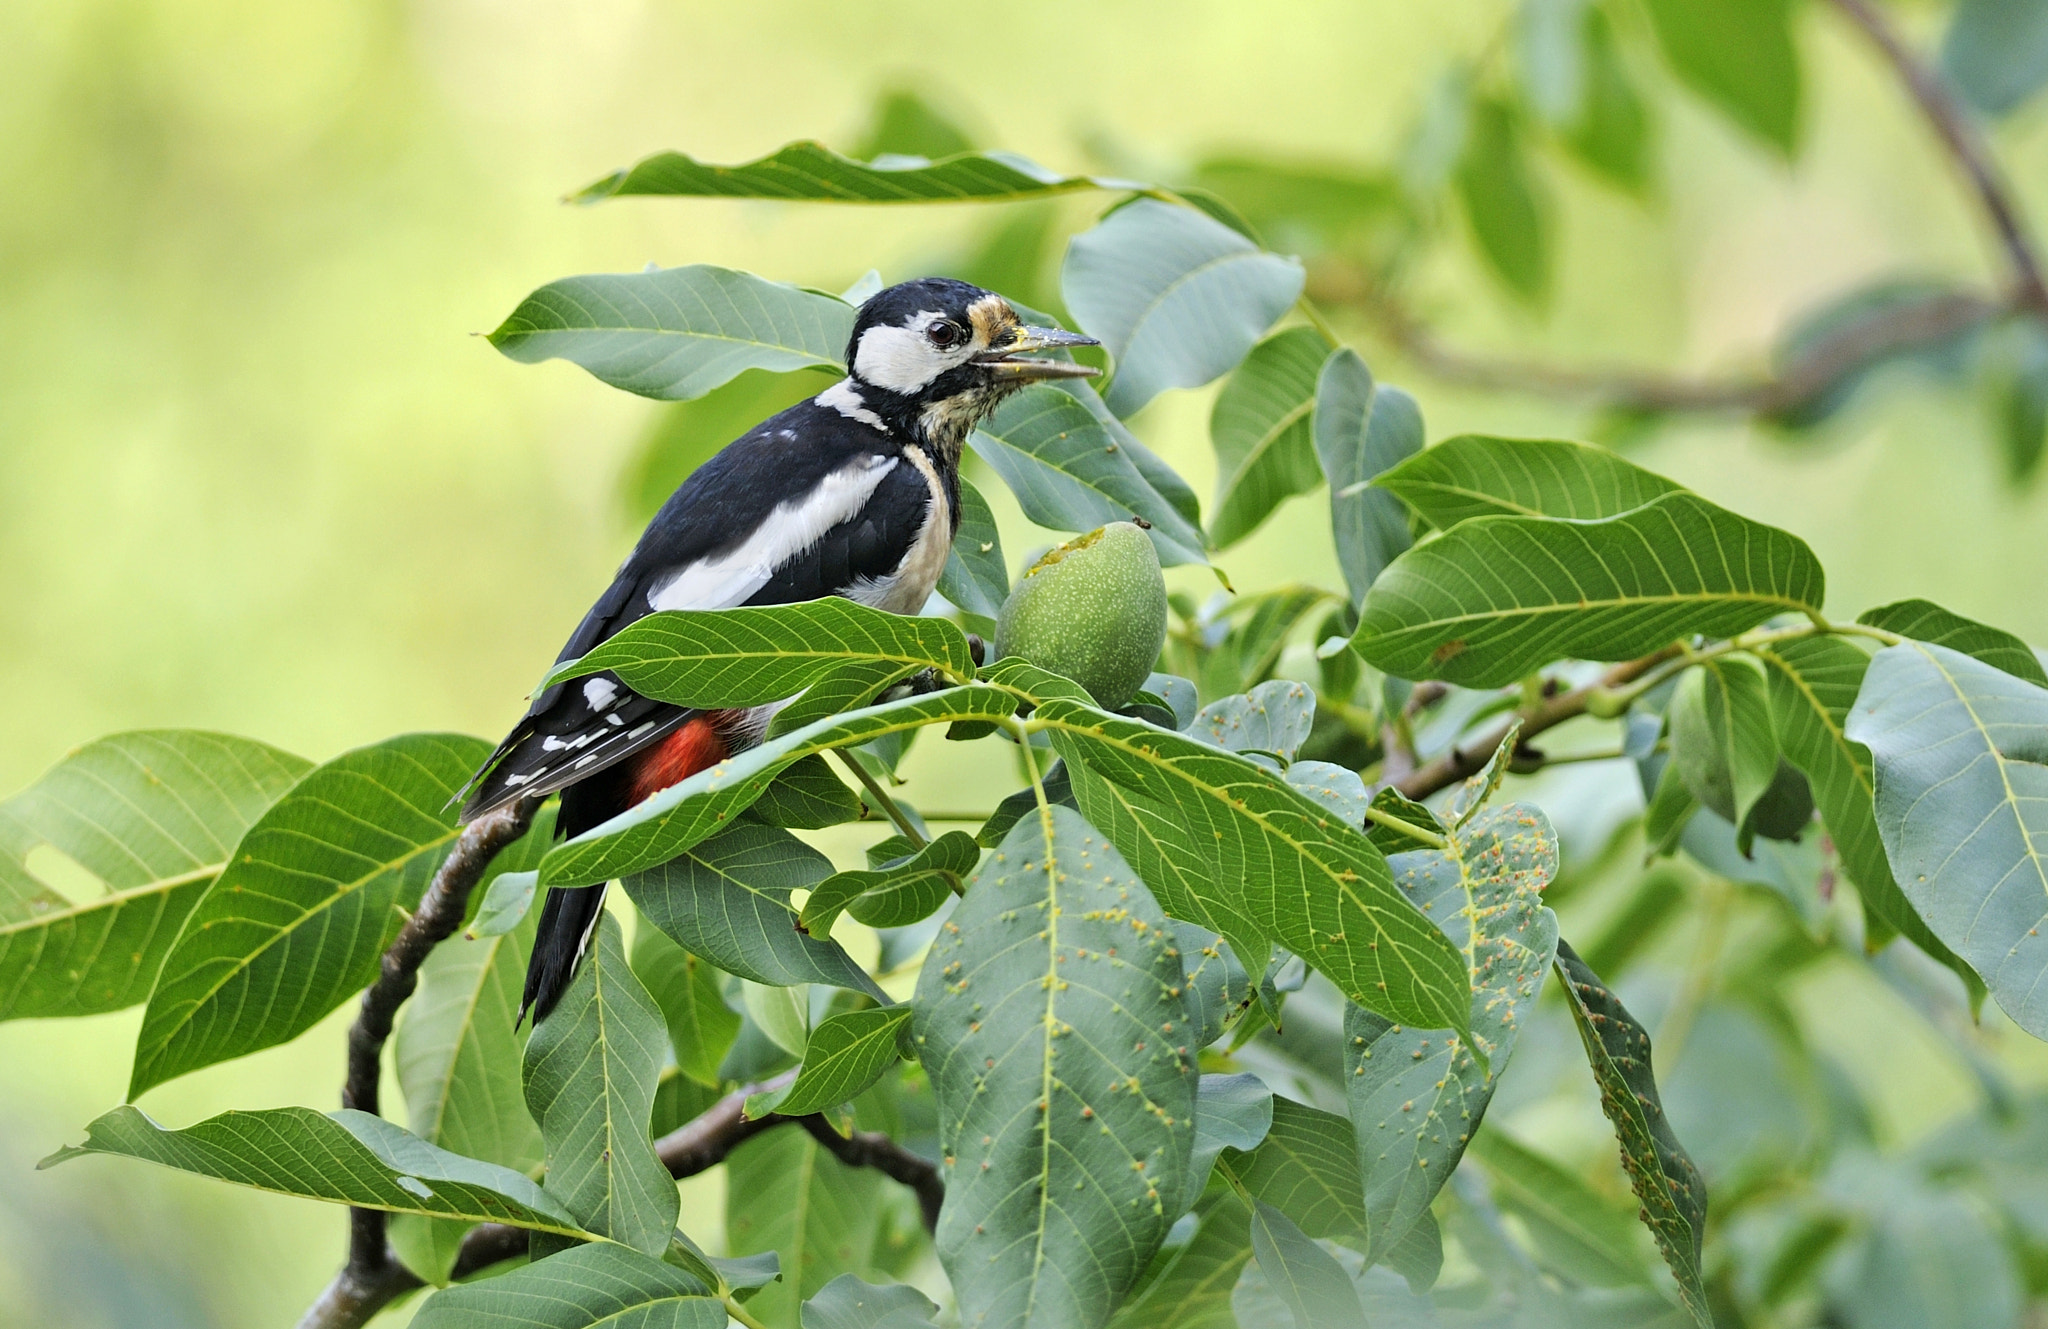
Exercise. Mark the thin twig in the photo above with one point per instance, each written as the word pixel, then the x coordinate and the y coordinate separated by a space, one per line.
pixel 881 796
pixel 1898 327
pixel 372 1274
pixel 876 1150
pixel 1958 133
pixel 1462 762
pixel 696 1146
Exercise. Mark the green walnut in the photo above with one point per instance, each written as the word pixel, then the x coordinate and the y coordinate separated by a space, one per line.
pixel 1093 609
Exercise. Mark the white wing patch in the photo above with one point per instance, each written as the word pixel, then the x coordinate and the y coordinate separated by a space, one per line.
pixel 598 693
pixel 729 579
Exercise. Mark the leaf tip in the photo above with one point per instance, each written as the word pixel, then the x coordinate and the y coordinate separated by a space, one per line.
pixel 64 1155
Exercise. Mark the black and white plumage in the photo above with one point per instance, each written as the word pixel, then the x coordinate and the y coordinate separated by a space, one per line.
pixel 854 492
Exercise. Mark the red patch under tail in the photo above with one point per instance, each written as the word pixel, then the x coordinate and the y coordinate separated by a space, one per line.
pixel 695 746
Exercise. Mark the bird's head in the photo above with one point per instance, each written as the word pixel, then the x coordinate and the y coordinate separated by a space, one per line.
pixel 932 358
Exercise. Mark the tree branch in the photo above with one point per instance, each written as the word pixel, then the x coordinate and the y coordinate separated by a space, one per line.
pixel 698 1145
pixel 373 1275
pixel 1461 763
pixel 1898 327
pixel 1957 131
pixel 876 1150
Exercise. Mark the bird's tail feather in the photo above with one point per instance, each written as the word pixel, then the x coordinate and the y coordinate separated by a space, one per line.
pixel 568 923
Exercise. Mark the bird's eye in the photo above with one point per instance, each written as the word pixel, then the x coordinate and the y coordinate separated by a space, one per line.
pixel 945 335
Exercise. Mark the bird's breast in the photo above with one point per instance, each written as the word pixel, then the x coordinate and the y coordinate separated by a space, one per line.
pixel 905 589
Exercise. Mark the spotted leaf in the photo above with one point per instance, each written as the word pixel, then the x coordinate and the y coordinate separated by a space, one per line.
pixel 1417 1095
pixel 1050 1019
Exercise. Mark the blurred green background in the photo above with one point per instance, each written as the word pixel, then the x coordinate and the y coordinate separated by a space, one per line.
pixel 257 473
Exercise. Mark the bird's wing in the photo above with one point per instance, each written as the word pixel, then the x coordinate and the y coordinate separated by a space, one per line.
pixel 788 512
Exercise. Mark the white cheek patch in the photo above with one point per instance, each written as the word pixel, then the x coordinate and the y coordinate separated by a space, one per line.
pixel 903 359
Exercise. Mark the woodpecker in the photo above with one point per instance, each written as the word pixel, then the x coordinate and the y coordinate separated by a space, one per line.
pixel 854 492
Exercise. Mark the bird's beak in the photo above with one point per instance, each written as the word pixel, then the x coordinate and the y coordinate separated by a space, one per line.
pixel 1010 369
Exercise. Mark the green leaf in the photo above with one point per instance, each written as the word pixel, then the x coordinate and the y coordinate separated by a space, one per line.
pixel 1932 1261
pixel 591 1068
pixel 297 921
pixel 1996 53
pixel 1419 1256
pixel 701 1027
pixel 676 333
pixel 1050 1019
pixel 1508 212
pixel 1217 991
pixel 741 1276
pixel 898 894
pixel 678 1101
pixel 1309 205
pixel 1176 297
pixel 976 579
pixel 1271 618
pixel 1552 59
pixel 1578 1232
pixel 751 656
pixel 1341 790
pixel 458 1051
pixel 1189 1286
pixel 1496 597
pixel 907 124
pixel 1924 620
pixel 847 1053
pixel 153 815
pixel 785 1194
pixel 684 435
pixel 1611 131
pixel 1416 1096
pixel 728 900
pixel 666 824
pixel 1725 748
pixel 1308 1278
pixel 1740 56
pixel 1361 430
pixel 1147 832
pixel 1263 429
pixel 1307 1168
pixel 1396 804
pixel 807 794
pixel 345 1157
pixel 506 901
pixel 807 171
pixel 580 1288
pixel 1274 717
pixel 783 1014
pixel 848 1303
pixel 850 687
pixel 1670 811
pixel 1477 475
pixel 1667 1185
pixel 1472 793
pixel 1072 467
pixel 2016 376
pixel 1275 857
pixel 1962 783
pixel 1813 684
pixel 1231 1112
